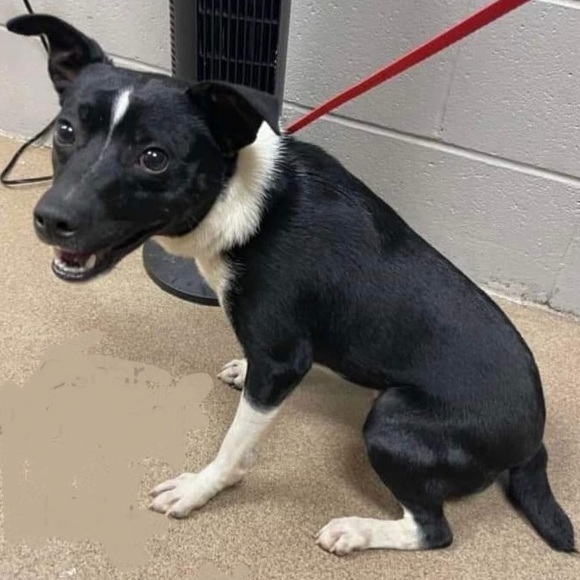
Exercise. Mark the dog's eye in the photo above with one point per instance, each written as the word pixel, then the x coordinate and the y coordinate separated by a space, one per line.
pixel 64 133
pixel 154 160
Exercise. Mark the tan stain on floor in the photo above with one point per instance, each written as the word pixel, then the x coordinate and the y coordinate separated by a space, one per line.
pixel 79 437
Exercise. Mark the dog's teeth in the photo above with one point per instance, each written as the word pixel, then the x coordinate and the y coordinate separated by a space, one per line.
pixel 91 262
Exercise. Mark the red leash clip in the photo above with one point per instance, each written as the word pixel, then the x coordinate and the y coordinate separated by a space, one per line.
pixel 476 21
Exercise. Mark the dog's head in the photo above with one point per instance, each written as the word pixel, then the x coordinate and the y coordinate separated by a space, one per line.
pixel 134 154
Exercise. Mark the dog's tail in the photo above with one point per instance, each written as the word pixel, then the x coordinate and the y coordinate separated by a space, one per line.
pixel 529 491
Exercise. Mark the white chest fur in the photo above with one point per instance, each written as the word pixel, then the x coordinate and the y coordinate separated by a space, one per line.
pixel 217 272
pixel 214 268
pixel 235 216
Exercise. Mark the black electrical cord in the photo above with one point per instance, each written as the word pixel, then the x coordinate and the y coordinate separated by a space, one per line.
pixel 4 176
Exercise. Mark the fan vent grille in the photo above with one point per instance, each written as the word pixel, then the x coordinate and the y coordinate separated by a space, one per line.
pixel 237 41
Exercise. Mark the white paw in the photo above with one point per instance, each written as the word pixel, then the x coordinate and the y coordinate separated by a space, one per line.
pixel 178 497
pixel 344 535
pixel 234 373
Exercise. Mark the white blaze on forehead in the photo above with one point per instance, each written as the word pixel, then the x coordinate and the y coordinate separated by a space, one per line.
pixel 118 111
pixel 120 107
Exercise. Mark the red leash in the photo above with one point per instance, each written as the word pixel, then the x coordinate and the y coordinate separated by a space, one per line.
pixel 464 28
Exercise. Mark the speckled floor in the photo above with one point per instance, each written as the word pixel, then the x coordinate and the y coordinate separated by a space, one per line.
pixel 312 467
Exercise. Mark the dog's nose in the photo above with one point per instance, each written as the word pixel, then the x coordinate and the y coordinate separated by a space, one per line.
pixel 52 226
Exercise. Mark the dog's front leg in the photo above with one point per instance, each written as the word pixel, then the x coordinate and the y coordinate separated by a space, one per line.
pixel 266 388
pixel 178 497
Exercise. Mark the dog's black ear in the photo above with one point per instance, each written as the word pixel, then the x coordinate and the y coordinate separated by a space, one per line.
pixel 234 113
pixel 69 49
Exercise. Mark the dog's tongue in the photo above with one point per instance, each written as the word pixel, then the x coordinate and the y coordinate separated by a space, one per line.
pixel 74 258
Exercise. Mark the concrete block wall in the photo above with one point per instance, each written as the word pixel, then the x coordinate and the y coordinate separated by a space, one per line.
pixel 478 148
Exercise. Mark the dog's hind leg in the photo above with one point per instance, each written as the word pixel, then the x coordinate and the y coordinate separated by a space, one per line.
pixel 415 453
pixel 417 530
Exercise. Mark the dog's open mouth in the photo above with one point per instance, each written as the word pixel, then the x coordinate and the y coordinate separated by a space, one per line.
pixel 82 266
pixel 73 265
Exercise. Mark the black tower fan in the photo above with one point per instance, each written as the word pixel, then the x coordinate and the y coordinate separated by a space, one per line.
pixel 238 41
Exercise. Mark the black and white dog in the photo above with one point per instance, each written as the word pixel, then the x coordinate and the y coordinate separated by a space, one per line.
pixel 311 267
